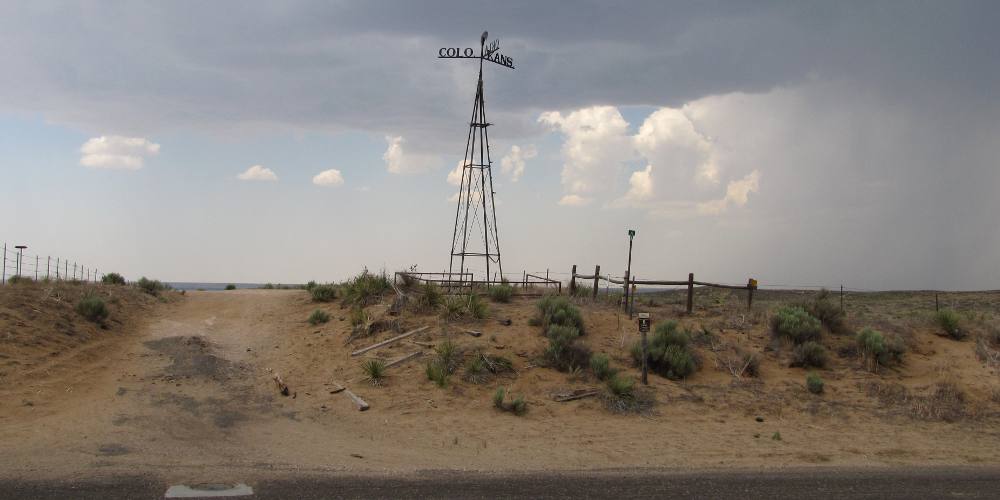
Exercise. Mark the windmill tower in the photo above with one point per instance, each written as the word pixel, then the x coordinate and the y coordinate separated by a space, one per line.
pixel 475 237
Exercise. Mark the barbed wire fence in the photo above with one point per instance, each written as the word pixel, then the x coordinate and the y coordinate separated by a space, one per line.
pixel 18 264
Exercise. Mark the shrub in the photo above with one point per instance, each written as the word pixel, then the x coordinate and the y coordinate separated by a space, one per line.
pixel 323 293
pixel 92 308
pixel 318 317
pixel 374 371
pixel 268 286
pixel 230 287
pixel 814 383
pixel 454 308
pixel 600 364
pixel 752 363
pixel 152 287
pixel 475 370
pixel 795 324
pixel 499 396
pixel 310 285
pixel 436 373
pixel 358 317
pixel 448 355
pixel 366 288
pixel 949 321
pixel 827 312
pixel 556 310
pixel 113 279
pixel 878 349
pixel 621 386
pixel 809 354
pixel 563 353
pixel 430 297
pixel 501 293
pixel 621 395
pixel 458 307
pixel 477 308
pixel 668 353
pixel 519 406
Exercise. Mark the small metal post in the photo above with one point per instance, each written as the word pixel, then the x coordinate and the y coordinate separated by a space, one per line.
pixel 572 281
pixel 3 278
pixel 935 302
pixel 36 268
pixel 690 302
pixel 48 266
pixel 751 286
pixel 74 270
pixel 597 277
pixel 841 299
pixel 66 269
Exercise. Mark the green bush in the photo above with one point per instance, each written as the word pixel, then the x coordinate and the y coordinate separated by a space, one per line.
pixel 501 293
pixel 668 353
pixel 92 308
pixel 113 279
pixel 358 316
pixel 449 356
pixel 476 371
pixel 519 406
pixel 809 354
pixel 621 386
pixel 477 307
pixel 462 306
pixel 499 396
pixel 436 372
pixel 323 293
pixel 600 364
pixel 950 322
pixel 366 288
pixel 230 287
pixel 827 312
pixel 268 286
pixel 374 371
pixel 878 349
pixel 318 317
pixel 795 324
pixel 556 310
pixel 430 298
pixel 563 353
pixel 310 285
pixel 814 383
pixel 152 287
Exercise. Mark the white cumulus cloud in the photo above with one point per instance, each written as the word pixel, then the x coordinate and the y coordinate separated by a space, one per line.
pixel 399 161
pixel 737 193
pixel 573 200
pixel 117 152
pixel 512 163
pixel 330 177
pixel 455 175
pixel 258 173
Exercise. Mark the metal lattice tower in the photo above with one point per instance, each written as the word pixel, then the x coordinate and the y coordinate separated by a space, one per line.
pixel 475 235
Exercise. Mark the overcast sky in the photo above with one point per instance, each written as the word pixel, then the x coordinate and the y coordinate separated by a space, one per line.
pixel 800 143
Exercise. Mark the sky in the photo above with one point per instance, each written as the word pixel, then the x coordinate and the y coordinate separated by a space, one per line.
pixel 799 143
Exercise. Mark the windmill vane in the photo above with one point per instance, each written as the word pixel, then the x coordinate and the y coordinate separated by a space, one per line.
pixel 489 53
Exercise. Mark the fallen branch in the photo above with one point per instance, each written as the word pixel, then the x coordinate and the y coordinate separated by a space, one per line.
pixel 474 333
pixel 336 388
pixel 574 395
pixel 390 341
pixel 404 359
pixel 360 403
pixel 428 345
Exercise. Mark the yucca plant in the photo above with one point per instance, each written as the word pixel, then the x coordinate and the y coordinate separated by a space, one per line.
pixel 374 371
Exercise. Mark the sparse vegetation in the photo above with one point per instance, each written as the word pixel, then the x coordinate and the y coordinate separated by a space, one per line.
pixel 463 306
pixel 795 324
pixel 600 364
pixel 323 293
pixel 152 287
pixel 358 316
pixel 365 288
pixel 518 406
pixel 317 317
pixel 563 353
pixel 92 308
pixel 430 298
pixel 950 322
pixel 810 355
pixel 556 310
pixel 878 349
pixel 814 383
pixel 113 279
pixel 447 360
pixel 742 364
pixel 669 352
pixel 374 371
pixel 501 293
pixel 483 367
pixel 498 397
pixel 230 287
pixel 827 312
pixel 622 397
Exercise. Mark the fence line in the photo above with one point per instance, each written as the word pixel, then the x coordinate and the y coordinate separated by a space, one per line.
pixel 527 284
pixel 18 265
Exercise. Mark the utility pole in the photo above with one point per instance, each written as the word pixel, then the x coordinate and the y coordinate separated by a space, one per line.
pixel 628 270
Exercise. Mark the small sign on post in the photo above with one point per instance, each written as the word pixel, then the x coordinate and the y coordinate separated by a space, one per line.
pixel 644 321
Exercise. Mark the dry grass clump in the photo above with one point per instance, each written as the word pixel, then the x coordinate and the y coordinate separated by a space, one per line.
pixel 827 312
pixel 988 348
pixel 622 396
pixel 323 293
pixel 518 406
pixel 563 352
pixel 600 365
pixel 429 298
pixel 365 288
pixel 878 349
pixel 814 383
pixel 556 310
pixel 502 292
pixel 92 308
pixel 447 359
pixel 946 401
pixel 810 355
pixel 318 316
pixel 152 287
pixel 669 352
pixel 741 364
pixel 795 324
pixel 465 306
pixel 483 367
pixel 951 323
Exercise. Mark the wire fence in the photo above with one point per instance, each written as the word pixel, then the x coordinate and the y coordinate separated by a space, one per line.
pixel 19 265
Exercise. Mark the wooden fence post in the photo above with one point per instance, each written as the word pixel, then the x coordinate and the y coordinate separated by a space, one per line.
pixel 625 293
pixel 750 287
pixel 572 281
pixel 690 302
pixel 597 277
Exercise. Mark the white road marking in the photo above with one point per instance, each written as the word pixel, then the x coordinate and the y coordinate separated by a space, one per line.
pixel 208 491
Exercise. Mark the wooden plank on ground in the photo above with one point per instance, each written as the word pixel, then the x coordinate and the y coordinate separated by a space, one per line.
pixel 390 341
pixel 360 403
pixel 574 395
pixel 428 345
pixel 404 359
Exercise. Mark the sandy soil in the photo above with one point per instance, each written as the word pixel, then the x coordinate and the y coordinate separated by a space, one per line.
pixel 182 390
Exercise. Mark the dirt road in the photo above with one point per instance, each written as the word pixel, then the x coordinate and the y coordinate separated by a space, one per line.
pixel 188 398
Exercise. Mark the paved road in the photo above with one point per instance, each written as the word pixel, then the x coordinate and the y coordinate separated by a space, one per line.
pixel 910 483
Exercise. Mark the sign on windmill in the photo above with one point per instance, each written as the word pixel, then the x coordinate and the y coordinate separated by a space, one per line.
pixel 475 231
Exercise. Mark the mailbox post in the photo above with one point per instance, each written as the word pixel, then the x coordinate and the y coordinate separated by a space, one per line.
pixel 643 330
